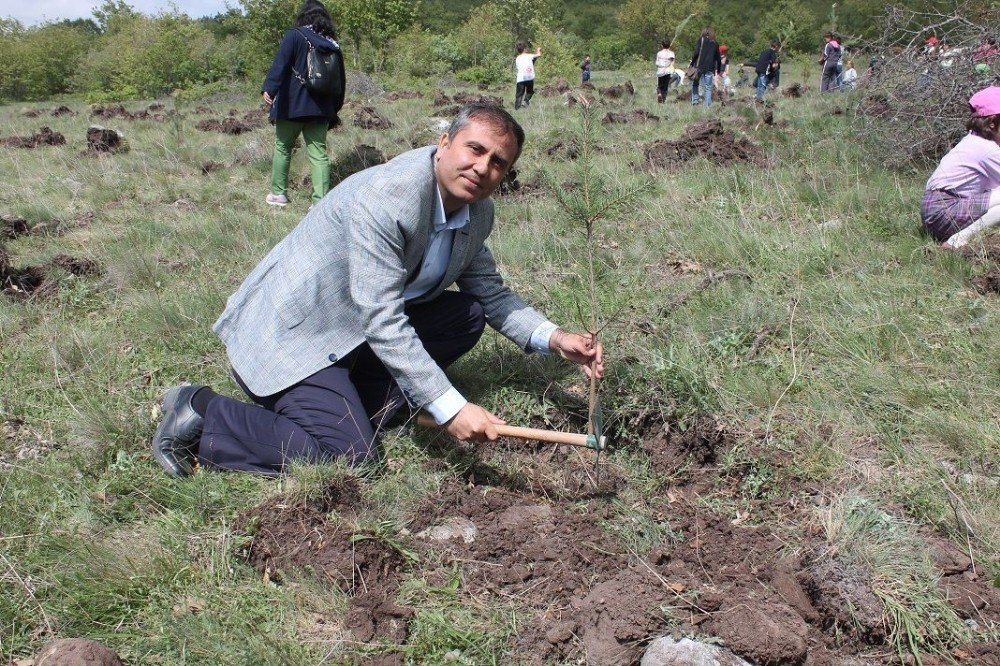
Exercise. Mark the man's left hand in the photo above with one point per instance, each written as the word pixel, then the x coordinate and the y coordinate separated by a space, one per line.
pixel 579 348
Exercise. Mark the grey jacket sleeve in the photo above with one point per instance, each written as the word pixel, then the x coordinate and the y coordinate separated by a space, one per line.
pixel 505 310
pixel 377 279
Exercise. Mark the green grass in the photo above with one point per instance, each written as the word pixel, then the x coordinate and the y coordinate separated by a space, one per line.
pixel 873 337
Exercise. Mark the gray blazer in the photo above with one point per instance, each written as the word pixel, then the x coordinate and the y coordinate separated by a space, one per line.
pixel 337 281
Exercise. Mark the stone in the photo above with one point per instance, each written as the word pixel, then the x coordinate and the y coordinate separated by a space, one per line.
pixel 453 528
pixel 666 651
pixel 77 652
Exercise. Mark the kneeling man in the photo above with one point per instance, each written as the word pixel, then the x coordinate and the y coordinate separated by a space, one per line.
pixel 350 315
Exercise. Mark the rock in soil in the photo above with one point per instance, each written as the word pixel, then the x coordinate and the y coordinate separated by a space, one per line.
pixel 104 140
pixel 368 117
pixel 707 139
pixel 666 651
pixel 43 137
pixel 77 652
pixel 638 116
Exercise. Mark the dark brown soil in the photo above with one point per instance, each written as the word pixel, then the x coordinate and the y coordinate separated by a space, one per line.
pixel 63 111
pixel 210 166
pixel 700 442
pixel 77 652
pixel 36 281
pixel 368 117
pixel 707 139
pixel 11 227
pixel 403 94
pixel 637 116
pixel 33 113
pixel 228 125
pixel 43 137
pixel 440 99
pixel 472 98
pixel 795 90
pixel 512 186
pixel 618 91
pixel 568 150
pixel 874 105
pixel 318 536
pixel 356 159
pixel 989 282
pixel 104 140
pixel 554 89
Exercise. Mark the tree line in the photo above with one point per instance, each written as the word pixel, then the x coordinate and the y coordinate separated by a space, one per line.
pixel 122 54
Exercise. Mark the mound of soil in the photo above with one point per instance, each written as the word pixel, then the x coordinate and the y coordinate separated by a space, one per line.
pixel 843 599
pixel 119 111
pixel 104 140
pixel 11 227
pixel 440 99
pixel 43 137
pixel 63 111
pixel 403 94
pixel 32 281
pixel 989 282
pixel 568 150
pixel 511 186
pixel 306 535
pixel 32 113
pixel 368 117
pixel 471 98
pixel 874 105
pixel 77 652
pixel 795 90
pixel 356 159
pixel 228 125
pixel 554 89
pixel 637 116
pixel 674 447
pixel 708 139
pixel 210 166
pixel 618 91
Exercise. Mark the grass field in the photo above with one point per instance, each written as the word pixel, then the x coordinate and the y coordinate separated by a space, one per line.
pixel 803 393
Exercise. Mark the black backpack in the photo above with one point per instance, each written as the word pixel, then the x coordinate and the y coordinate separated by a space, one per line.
pixel 324 73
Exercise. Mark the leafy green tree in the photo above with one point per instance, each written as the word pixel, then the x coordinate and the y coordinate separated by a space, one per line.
pixel 39 62
pixel 114 15
pixel 644 23
pixel 373 24
pixel 260 32
pixel 794 24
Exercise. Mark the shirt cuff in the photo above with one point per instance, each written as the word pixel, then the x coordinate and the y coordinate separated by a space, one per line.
pixel 444 407
pixel 540 338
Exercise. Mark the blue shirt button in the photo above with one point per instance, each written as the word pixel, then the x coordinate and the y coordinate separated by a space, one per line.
pixel 333 358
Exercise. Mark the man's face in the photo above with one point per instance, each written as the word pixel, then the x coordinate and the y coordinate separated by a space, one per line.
pixel 470 165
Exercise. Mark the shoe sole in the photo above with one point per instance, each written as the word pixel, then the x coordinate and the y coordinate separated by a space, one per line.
pixel 277 203
pixel 168 402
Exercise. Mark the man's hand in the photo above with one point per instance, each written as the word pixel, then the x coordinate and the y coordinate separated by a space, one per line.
pixel 473 422
pixel 267 99
pixel 580 349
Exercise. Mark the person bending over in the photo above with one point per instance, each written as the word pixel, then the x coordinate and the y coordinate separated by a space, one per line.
pixel 962 196
pixel 350 315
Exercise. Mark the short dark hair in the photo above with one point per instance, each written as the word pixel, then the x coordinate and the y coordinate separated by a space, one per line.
pixel 665 43
pixel 988 127
pixel 492 115
pixel 313 13
pixel 775 44
pixel 709 32
pixel 521 47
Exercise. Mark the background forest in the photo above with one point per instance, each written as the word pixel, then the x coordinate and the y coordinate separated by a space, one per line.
pixel 122 54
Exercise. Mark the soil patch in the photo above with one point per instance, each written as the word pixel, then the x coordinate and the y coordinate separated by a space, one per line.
pixel 512 186
pixel 567 150
pixel 554 89
pixel 440 99
pixel 31 281
pixel 708 139
pixel 795 90
pixel 318 535
pixel 463 99
pixel 876 106
pixel 63 111
pixel 210 166
pixel 228 125
pixel 368 117
pixel 33 113
pixel 676 447
pixel 403 94
pixel 989 282
pixel 104 140
pixel 618 91
pixel 43 137
pixel 357 159
pixel 637 116
pixel 11 227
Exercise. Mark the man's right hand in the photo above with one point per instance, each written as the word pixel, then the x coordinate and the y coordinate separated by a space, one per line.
pixel 473 422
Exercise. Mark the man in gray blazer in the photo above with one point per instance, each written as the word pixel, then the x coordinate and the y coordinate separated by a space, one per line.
pixel 350 314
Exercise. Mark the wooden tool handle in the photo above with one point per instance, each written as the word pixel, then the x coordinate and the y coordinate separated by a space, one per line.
pixel 537 434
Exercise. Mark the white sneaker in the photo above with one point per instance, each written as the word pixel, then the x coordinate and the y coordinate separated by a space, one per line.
pixel 276 200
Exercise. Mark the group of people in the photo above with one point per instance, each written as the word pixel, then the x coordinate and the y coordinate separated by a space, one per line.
pixel 352 316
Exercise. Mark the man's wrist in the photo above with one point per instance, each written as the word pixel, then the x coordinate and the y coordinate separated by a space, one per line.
pixel 556 338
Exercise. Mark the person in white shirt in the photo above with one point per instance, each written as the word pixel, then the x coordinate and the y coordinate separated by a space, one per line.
pixel 524 63
pixel 665 72
pixel 850 78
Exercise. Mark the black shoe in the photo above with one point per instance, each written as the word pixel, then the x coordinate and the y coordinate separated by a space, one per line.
pixel 175 443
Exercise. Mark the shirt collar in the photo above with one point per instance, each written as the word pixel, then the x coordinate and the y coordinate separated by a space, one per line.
pixel 458 219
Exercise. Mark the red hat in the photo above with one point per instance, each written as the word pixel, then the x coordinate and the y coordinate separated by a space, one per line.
pixel 723 48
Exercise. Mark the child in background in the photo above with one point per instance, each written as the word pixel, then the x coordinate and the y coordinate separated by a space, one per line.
pixel 723 82
pixel 664 70
pixel 962 197
pixel 524 63
pixel 585 69
pixel 850 77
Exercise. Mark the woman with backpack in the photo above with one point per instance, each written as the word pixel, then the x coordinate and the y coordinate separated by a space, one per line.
pixel 706 64
pixel 305 90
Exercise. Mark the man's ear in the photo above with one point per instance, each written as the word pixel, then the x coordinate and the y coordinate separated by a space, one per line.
pixel 443 141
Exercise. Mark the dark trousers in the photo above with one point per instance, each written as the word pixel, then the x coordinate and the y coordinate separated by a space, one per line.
pixel 337 411
pixel 523 93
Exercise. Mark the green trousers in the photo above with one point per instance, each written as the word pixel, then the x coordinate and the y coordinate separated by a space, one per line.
pixel 314 135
